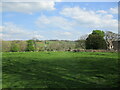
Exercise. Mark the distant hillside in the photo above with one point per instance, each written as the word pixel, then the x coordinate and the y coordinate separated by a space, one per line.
pixel 41 45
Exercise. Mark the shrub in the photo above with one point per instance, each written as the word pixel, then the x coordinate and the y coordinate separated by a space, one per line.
pixel 30 45
pixel 15 47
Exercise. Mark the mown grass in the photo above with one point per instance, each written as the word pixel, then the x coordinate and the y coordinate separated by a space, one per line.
pixel 60 70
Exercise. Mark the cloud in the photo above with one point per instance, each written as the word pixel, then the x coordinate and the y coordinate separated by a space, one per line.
pixel 28 7
pixel 54 22
pixel 58 27
pixel 91 19
pixel 11 31
pixel 38 36
pixel 111 11
pixel 65 35
pixel 14 32
pixel 1 28
pixel 31 0
pixel 114 10
pixel 102 11
pixel 59 33
pixel 0 6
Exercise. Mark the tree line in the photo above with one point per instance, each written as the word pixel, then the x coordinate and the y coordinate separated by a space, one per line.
pixel 36 45
pixel 98 39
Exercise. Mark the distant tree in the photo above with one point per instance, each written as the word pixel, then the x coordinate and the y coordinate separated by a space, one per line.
pixel 110 37
pixel 30 45
pixel 15 47
pixel 6 46
pixel 60 45
pixel 96 40
pixel 23 45
pixel 80 43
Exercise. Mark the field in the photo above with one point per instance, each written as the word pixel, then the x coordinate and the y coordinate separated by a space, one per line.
pixel 40 45
pixel 60 69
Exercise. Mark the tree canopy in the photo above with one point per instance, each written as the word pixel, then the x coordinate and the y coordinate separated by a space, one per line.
pixel 15 47
pixel 96 40
pixel 98 32
pixel 30 45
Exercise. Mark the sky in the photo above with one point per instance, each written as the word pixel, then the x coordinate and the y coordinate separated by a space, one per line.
pixel 56 20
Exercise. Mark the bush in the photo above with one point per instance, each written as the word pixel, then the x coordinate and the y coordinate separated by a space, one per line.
pixel 30 45
pixel 15 47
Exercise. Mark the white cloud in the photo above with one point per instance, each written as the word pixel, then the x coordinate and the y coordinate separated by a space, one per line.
pixel 28 7
pixel 12 32
pixel 65 35
pixel 91 19
pixel 31 0
pixel 57 27
pixel 102 11
pixel 55 22
pixel 0 6
pixel 114 10
pixel 38 36
pixel 1 28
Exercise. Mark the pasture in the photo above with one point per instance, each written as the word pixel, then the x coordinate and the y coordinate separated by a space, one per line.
pixel 60 69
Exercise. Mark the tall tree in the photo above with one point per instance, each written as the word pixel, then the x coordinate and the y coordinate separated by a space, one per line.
pixel 96 40
pixel 30 45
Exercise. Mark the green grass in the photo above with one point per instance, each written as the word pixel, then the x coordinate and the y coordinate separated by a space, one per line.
pixel 60 70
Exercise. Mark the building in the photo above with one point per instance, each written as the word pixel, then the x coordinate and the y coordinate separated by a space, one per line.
pixel 116 45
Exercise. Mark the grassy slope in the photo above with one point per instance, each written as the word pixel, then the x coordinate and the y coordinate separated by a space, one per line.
pixel 59 69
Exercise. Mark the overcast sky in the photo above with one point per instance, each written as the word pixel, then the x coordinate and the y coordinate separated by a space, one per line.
pixel 56 20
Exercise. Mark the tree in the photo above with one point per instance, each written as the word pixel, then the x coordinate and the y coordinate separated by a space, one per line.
pixel 110 37
pixel 96 40
pixel 98 32
pixel 6 46
pixel 80 43
pixel 23 45
pixel 30 45
pixel 15 47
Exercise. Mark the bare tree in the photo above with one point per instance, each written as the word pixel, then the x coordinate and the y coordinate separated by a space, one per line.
pixel 80 43
pixel 110 37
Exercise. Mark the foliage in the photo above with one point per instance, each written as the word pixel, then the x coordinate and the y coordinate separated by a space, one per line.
pixel 15 47
pixel 81 42
pixel 95 40
pixel 6 46
pixel 30 45
pixel 39 46
pixel 98 32
pixel 23 45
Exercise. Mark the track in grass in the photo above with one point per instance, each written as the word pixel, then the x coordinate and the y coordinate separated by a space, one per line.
pixel 60 69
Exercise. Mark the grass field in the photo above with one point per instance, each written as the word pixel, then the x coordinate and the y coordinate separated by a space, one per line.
pixel 60 69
